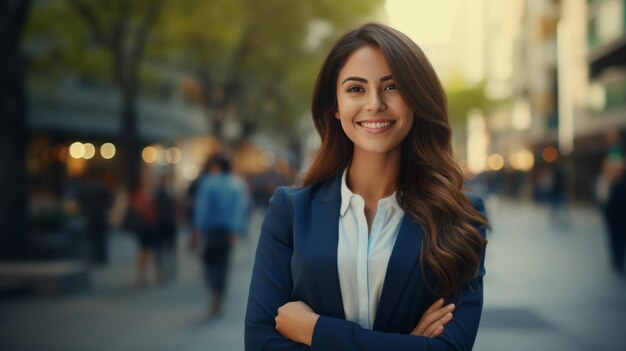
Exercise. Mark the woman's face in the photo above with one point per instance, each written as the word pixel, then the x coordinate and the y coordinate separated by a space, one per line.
pixel 372 113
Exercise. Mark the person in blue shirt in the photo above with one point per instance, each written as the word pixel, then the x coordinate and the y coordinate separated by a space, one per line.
pixel 380 249
pixel 219 219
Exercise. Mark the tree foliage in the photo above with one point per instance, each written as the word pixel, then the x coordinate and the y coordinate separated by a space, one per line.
pixel 254 61
pixel 462 98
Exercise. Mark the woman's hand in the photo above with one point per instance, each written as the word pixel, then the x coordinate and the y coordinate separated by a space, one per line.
pixel 434 319
pixel 296 321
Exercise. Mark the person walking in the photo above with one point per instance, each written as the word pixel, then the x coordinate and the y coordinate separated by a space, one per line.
pixel 166 229
pixel 95 201
pixel 142 219
pixel 614 209
pixel 219 220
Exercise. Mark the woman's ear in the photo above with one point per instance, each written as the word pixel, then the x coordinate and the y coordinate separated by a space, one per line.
pixel 337 114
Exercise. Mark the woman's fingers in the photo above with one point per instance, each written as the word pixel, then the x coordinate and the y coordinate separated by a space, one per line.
pixel 432 319
pixel 422 324
pixel 436 328
pixel 437 332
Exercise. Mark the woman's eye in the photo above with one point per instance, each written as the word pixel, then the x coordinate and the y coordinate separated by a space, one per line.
pixel 390 87
pixel 356 89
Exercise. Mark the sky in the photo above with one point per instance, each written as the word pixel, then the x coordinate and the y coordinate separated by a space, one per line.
pixel 430 24
pixel 427 22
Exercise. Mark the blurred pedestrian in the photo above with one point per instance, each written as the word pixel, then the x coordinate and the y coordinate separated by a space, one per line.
pixel 616 215
pixel 192 194
pixel 611 192
pixel 219 220
pixel 142 219
pixel 380 244
pixel 95 201
pixel 557 197
pixel 166 229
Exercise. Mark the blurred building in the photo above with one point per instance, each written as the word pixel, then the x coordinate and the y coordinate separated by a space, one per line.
pixel 606 59
pixel 557 68
pixel 75 125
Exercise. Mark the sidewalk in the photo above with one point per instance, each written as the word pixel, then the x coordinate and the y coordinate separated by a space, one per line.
pixel 546 288
pixel 550 287
pixel 114 315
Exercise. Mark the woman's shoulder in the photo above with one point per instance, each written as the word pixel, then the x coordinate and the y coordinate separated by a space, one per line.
pixel 476 201
pixel 295 193
pixel 297 196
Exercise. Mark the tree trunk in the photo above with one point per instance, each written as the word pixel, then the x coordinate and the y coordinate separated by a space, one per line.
pixel 13 134
pixel 130 137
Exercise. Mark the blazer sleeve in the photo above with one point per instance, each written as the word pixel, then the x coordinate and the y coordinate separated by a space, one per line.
pixel 459 334
pixel 271 282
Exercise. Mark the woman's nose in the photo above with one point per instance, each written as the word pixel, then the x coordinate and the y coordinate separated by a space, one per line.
pixel 375 103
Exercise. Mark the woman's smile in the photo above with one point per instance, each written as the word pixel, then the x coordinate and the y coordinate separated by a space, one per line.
pixel 375 126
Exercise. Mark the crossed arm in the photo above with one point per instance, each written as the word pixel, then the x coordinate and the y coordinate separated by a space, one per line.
pixel 274 322
pixel 296 321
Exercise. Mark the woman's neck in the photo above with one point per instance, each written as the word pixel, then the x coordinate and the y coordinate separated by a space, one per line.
pixel 373 176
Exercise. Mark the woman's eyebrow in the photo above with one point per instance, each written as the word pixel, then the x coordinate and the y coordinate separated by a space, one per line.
pixel 358 79
pixel 363 80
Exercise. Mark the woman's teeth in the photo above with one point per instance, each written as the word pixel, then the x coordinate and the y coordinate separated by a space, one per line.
pixel 375 125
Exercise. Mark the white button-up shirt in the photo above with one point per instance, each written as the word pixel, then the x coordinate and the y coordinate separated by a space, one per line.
pixel 362 257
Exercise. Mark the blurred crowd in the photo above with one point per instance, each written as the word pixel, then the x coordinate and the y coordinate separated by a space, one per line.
pixel 208 216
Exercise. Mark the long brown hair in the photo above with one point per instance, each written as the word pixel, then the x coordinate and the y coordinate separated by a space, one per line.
pixel 430 184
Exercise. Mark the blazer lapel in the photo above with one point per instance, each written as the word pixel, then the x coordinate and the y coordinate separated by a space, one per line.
pixel 324 239
pixel 404 258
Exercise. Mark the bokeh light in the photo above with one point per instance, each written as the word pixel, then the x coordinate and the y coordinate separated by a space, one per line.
pixel 523 160
pixel 107 151
pixel 77 150
pixel 173 155
pixel 149 154
pixel 268 159
pixel 190 171
pixel 90 151
pixel 550 154
pixel 496 162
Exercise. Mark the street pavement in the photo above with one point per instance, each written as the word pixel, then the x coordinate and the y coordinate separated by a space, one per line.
pixel 548 287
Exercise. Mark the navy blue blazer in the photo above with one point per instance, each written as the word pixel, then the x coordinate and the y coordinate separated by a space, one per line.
pixel 296 259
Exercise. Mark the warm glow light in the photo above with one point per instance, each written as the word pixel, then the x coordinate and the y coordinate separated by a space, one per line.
pixel 76 166
pixel 107 150
pixel 496 162
pixel 160 154
pixel 521 116
pixel 77 150
pixel 149 154
pixel 90 151
pixel 173 155
pixel 523 160
pixel 62 152
pixel 477 141
pixel 550 154
pixel 190 171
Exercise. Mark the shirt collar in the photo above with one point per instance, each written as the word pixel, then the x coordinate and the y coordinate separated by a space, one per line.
pixel 347 194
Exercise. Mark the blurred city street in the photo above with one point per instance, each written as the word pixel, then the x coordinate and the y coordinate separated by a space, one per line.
pixel 550 287
pixel 547 288
pixel 134 128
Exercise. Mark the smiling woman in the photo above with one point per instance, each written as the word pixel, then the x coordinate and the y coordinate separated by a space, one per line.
pixel 370 108
pixel 380 246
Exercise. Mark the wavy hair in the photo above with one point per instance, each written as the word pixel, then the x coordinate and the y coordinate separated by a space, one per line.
pixel 430 183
